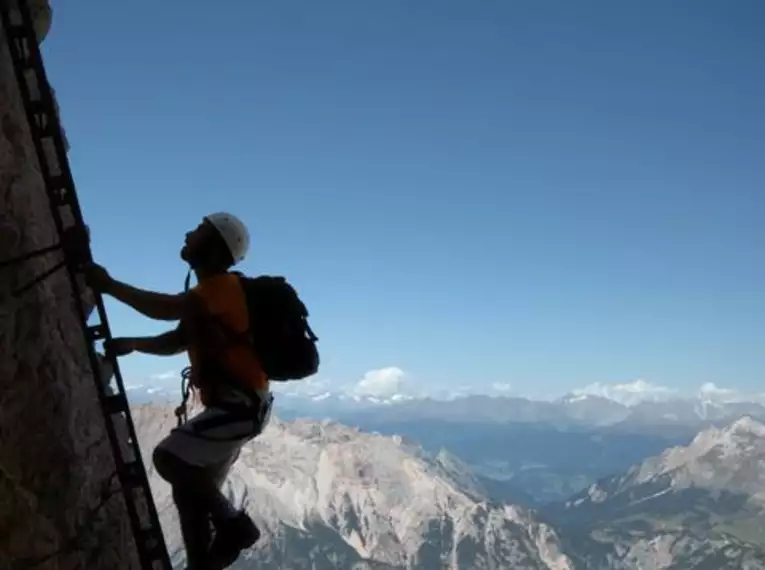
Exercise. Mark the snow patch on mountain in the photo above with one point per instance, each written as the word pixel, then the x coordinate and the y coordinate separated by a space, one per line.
pixel 627 394
pixel 641 391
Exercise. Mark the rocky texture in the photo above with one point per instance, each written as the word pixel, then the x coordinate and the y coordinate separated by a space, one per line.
pixel 329 496
pixel 59 506
pixel 724 460
pixel 695 506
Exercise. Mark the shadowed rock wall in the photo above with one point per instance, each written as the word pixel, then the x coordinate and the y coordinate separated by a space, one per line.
pixel 60 506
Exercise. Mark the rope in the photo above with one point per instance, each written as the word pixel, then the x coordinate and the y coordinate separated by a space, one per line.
pixel 181 412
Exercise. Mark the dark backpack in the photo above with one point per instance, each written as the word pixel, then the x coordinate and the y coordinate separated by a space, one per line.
pixel 279 331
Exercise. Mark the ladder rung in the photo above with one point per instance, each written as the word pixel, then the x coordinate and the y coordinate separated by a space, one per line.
pixel 59 191
pixel 61 196
pixel 116 404
pixel 97 332
pixel 132 475
pixel 19 45
pixel 38 107
pixel 17 31
pixel 47 129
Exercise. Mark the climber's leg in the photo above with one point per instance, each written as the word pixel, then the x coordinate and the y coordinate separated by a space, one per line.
pixel 232 535
pixel 218 474
pixel 199 454
pixel 234 530
pixel 198 500
pixel 193 481
pixel 197 457
pixel 195 528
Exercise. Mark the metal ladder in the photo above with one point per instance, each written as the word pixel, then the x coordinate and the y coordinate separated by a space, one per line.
pixel 45 128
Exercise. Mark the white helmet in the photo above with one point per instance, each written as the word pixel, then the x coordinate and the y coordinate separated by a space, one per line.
pixel 234 233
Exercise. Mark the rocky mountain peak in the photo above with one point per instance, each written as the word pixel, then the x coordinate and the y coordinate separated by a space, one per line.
pixel 719 459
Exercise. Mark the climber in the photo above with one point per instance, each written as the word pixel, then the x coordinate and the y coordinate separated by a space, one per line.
pixel 196 457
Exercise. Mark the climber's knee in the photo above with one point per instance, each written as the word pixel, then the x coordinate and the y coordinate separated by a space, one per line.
pixel 169 466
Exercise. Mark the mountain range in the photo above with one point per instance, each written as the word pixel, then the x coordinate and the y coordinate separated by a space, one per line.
pixel 332 496
pixel 637 407
pixel 328 496
pixel 529 452
pixel 695 506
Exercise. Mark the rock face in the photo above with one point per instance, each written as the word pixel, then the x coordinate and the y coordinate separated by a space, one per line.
pixel 328 496
pixel 695 506
pixel 727 459
pixel 60 507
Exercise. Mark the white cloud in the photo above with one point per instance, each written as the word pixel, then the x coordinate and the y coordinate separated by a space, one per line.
pixel 501 388
pixel 709 390
pixel 630 393
pixel 381 383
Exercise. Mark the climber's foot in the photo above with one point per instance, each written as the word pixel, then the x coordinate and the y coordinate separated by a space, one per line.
pixel 231 537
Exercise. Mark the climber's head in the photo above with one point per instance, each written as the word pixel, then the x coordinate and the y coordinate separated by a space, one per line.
pixel 218 242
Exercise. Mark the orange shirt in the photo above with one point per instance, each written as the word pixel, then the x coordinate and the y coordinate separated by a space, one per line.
pixel 224 298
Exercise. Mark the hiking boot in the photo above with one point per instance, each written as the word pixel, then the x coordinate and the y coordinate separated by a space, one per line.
pixel 231 537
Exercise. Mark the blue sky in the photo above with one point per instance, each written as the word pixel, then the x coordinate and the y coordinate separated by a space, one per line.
pixel 544 194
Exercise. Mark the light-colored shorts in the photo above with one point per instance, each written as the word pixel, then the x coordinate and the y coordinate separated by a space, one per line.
pixel 215 436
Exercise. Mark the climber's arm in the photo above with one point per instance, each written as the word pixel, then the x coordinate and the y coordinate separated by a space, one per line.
pixel 167 344
pixel 196 326
pixel 160 306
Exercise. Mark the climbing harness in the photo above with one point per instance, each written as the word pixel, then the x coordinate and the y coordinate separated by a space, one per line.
pixel 18 30
pixel 234 413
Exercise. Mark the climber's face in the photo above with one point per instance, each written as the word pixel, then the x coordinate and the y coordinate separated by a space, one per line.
pixel 196 241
